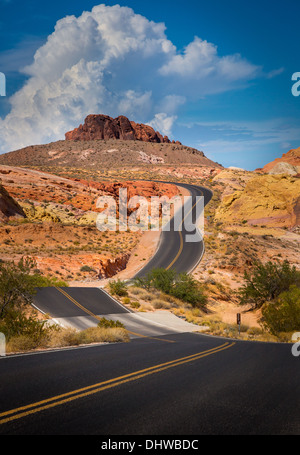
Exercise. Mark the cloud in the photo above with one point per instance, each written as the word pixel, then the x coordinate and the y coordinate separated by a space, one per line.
pixel 113 61
pixel 245 141
pixel 200 63
pixel 163 123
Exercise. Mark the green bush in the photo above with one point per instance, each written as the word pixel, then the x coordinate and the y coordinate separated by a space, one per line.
pixel 118 288
pixel 182 286
pixel 87 268
pixel 267 281
pixel 109 324
pixel 186 288
pixel 19 282
pixel 283 314
pixel 135 305
pixel 16 324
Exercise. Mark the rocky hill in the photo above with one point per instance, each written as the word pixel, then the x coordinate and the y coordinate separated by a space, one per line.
pixel 103 127
pixel 289 163
pixel 106 143
pixel 270 200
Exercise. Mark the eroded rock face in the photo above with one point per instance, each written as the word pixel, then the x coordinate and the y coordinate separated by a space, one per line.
pixel 110 267
pixel 271 200
pixel 103 127
pixel 9 208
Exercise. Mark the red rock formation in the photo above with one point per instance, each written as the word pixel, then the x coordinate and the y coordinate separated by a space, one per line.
pixel 9 208
pixel 110 267
pixel 292 157
pixel 103 127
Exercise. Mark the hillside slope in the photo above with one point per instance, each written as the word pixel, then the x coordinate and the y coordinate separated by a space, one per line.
pixel 105 154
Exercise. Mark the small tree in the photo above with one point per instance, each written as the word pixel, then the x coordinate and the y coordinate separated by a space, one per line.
pixel 19 283
pixel 268 281
pixel 16 285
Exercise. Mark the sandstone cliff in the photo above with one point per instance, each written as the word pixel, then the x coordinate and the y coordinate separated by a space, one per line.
pixel 271 200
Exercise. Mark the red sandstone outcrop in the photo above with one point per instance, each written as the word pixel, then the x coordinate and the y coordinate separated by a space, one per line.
pixel 103 127
pixel 292 158
pixel 8 206
pixel 110 267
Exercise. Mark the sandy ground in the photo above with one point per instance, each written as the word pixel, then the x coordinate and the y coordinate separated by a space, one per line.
pixel 142 253
pixel 228 311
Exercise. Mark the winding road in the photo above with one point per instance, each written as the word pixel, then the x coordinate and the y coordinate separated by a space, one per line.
pixel 83 307
pixel 166 381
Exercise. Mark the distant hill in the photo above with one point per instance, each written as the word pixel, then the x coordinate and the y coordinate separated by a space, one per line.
pixel 103 142
pixel 289 163
pixel 106 154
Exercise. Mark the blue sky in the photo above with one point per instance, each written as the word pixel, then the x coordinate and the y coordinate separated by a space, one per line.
pixel 216 76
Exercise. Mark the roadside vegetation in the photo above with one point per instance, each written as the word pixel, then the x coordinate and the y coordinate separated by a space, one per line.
pixel 275 289
pixel 272 288
pixel 26 329
pixel 181 286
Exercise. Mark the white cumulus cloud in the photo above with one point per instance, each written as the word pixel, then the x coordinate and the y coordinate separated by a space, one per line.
pixel 115 62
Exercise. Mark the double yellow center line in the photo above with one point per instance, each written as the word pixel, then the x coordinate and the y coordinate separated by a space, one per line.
pixel 181 236
pixel 58 400
pixel 98 318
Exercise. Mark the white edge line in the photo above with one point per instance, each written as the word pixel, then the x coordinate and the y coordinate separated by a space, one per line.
pixel 115 300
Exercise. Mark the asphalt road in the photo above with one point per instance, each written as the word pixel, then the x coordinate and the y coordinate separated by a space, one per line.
pixel 81 308
pixel 197 385
pixel 175 250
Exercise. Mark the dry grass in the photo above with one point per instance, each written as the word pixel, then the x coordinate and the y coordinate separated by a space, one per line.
pixel 68 337
pixel 156 300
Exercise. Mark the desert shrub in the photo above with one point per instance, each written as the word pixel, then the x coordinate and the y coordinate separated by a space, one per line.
pixel 186 288
pixel 135 305
pixel 182 286
pixel 283 314
pixel 65 337
pixel 106 323
pixel 20 343
pixel 87 268
pixel 267 281
pixel 136 290
pixel 254 331
pixel 118 288
pixel 16 323
pixel 19 282
pixel 161 304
